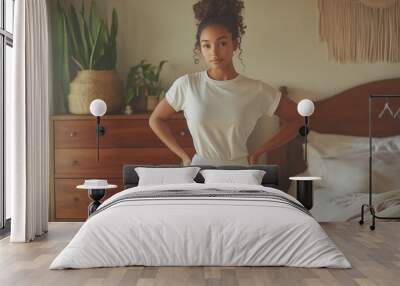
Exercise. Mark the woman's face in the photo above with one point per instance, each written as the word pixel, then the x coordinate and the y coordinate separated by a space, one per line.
pixel 217 46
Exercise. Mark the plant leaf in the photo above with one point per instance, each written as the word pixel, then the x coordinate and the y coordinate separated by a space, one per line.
pixel 85 42
pixel 65 52
pixel 86 31
pixel 95 47
pixel 114 25
pixel 77 63
pixel 73 32
pixel 159 69
pixel 83 9
pixel 94 21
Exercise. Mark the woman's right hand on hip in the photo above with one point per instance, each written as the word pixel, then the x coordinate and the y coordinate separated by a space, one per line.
pixel 186 160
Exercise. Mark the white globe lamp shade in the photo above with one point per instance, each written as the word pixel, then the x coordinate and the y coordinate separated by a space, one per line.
pixel 98 107
pixel 305 107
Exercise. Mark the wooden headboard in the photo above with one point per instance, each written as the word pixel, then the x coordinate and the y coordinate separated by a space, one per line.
pixel 345 113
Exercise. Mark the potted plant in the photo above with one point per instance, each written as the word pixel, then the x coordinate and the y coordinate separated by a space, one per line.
pixel 155 86
pixel 91 47
pixel 143 85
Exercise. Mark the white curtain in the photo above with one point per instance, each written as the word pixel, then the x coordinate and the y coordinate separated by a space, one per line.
pixel 27 123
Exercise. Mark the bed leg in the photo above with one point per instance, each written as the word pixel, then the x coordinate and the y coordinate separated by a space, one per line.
pixel 361 222
pixel 372 226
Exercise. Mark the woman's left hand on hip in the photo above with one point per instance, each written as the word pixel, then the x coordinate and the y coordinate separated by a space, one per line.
pixel 252 159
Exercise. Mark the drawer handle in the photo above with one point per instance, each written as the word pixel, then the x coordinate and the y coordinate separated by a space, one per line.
pixel 73 134
pixel 182 133
pixel 75 163
pixel 76 199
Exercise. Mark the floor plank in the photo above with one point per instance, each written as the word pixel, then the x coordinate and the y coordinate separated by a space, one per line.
pixel 374 255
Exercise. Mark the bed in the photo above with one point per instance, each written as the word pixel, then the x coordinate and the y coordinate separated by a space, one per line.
pixel 201 224
pixel 342 120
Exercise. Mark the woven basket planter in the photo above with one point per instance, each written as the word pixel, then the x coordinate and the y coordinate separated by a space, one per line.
pixel 91 84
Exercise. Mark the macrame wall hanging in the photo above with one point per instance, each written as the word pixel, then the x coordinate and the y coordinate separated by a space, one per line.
pixel 361 31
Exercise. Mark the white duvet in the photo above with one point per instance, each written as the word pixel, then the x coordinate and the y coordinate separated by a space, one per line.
pixel 207 231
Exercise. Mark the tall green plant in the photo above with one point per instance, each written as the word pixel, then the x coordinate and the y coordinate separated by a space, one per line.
pixel 66 76
pixel 91 44
pixel 144 76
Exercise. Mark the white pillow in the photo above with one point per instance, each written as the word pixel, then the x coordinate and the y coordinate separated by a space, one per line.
pixel 343 162
pixel 333 146
pixel 161 176
pixel 345 175
pixel 249 177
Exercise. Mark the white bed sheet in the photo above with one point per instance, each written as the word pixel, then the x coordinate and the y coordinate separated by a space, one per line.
pixel 219 232
pixel 331 205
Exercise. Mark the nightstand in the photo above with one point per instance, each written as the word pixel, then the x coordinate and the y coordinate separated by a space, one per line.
pixel 305 190
pixel 95 192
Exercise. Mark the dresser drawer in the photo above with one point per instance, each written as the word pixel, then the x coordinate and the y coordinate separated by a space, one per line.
pixel 78 163
pixel 72 203
pixel 125 133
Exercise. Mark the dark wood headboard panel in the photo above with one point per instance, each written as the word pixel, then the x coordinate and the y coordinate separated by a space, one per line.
pixel 345 113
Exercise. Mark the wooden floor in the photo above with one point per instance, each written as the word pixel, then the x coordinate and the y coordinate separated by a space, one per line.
pixel 375 257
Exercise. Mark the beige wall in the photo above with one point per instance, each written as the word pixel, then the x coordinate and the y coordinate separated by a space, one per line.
pixel 281 47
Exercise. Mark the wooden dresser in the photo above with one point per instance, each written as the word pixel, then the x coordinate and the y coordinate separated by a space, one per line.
pixel 128 139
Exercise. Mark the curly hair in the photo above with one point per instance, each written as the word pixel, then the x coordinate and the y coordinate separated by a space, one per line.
pixel 225 13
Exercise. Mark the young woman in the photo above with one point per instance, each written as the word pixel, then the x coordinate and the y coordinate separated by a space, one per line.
pixel 220 105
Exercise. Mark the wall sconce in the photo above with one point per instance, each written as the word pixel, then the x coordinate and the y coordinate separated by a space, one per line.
pixel 305 108
pixel 98 108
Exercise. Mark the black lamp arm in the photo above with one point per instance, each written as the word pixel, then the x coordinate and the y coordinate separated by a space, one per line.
pixel 100 131
pixel 304 130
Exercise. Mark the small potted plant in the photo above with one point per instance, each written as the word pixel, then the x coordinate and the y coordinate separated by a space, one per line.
pixel 131 90
pixel 143 86
pixel 154 96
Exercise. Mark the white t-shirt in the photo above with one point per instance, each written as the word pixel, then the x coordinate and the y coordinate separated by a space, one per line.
pixel 221 114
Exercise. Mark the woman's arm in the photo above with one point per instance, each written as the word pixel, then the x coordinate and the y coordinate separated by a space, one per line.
pixel 158 123
pixel 287 110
